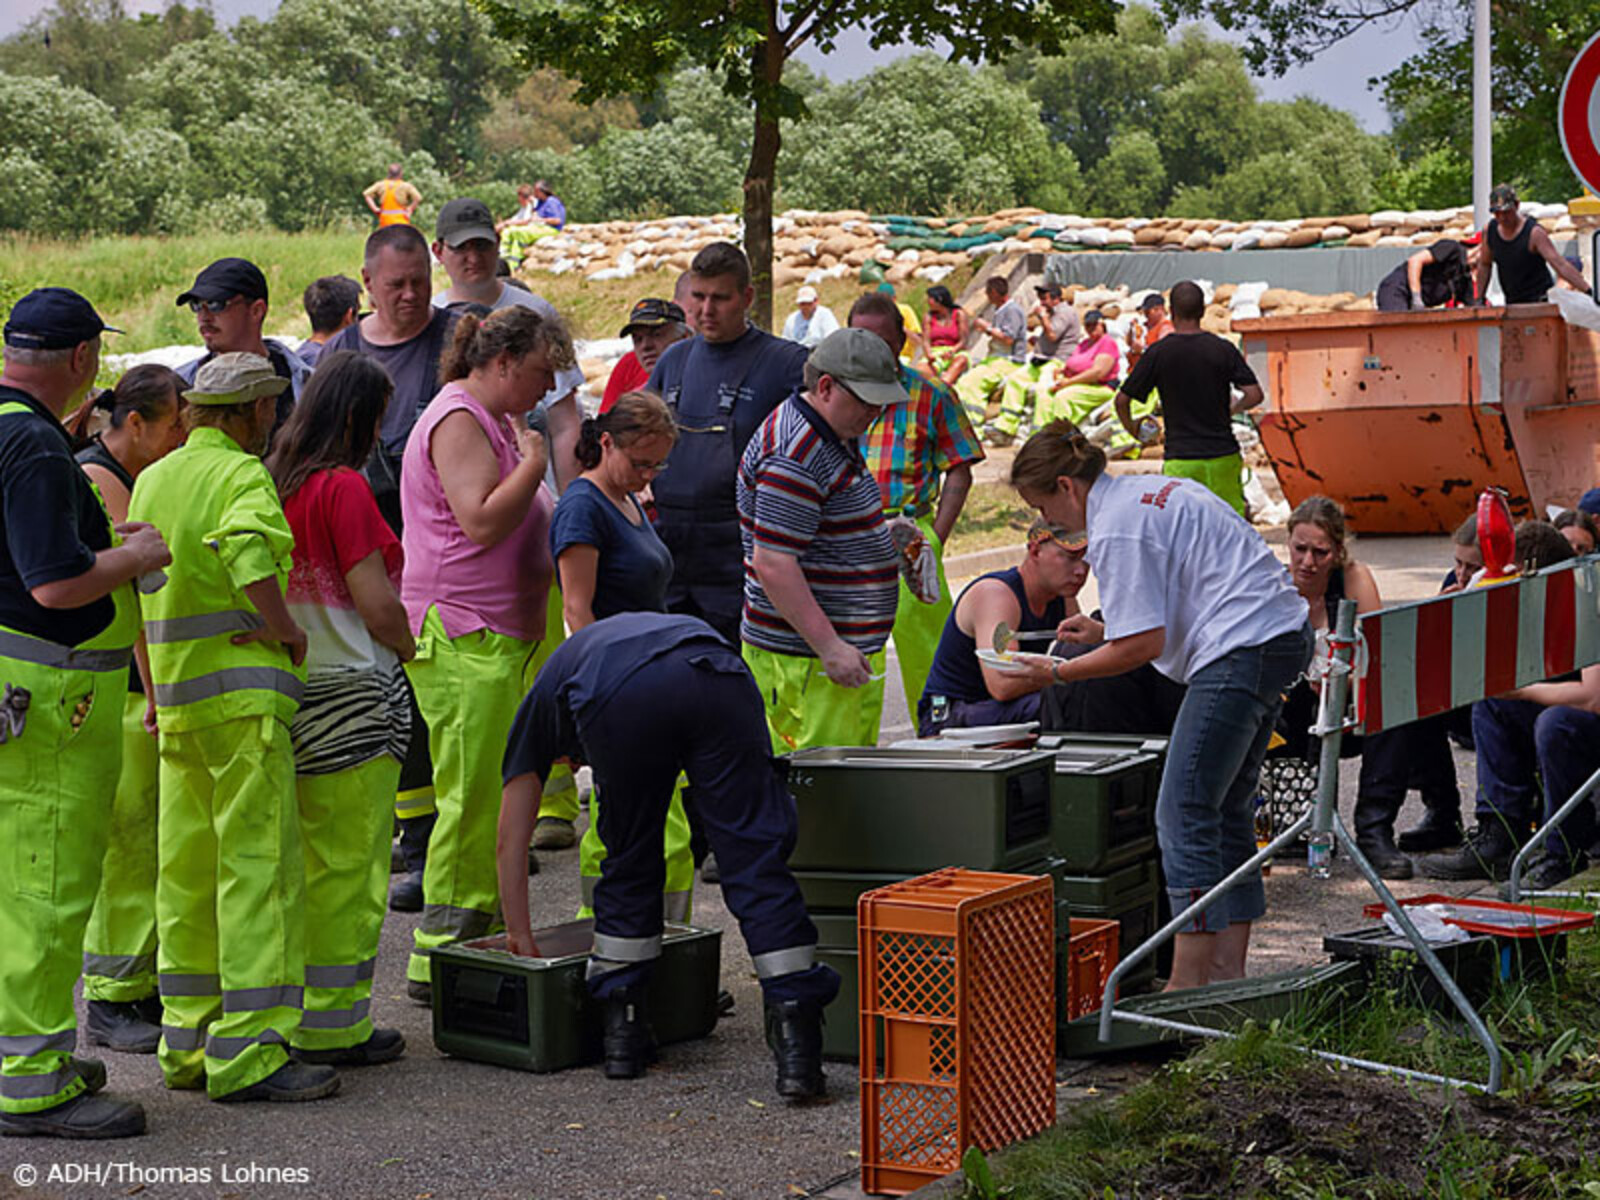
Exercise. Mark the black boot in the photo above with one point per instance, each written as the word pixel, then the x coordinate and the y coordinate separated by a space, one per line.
pixel 1374 818
pixel 405 893
pixel 124 1027
pixel 794 1031
pixel 1486 854
pixel 630 1043
pixel 1439 829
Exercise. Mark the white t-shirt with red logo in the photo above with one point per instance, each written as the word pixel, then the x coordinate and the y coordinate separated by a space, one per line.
pixel 1167 553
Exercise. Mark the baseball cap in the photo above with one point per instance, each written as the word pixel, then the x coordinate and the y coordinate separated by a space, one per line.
pixel 1589 502
pixel 1153 300
pixel 234 378
pixel 1473 238
pixel 464 220
pixel 806 295
pixel 1048 289
pixel 1093 315
pixel 1042 530
pixel 225 279
pixel 861 361
pixel 1503 196
pixel 651 312
pixel 53 318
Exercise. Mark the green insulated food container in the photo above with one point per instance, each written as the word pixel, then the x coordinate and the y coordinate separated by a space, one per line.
pixel 535 1014
pixel 1105 800
pixel 906 812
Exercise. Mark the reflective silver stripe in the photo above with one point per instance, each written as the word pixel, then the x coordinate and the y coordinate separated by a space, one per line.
pixel 256 999
pixel 181 1037
pixel 445 920
pixel 37 1087
pixel 675 905
pixel 626 950
pixel 784 962
pixel 229 679
pixel 204 625
pixel 22 648
pixel 27 1044
pixel 336 1018
pixel 232 1047
pixel 118 966
pixel 189 985
pixel 340 977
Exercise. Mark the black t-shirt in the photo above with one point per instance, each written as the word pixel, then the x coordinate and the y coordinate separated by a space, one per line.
pixel 413 365
pixel 51 525
pixel 1446 278
pixel 1194 372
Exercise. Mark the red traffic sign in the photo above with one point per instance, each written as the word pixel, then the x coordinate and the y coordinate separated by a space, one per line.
pixel 1578 116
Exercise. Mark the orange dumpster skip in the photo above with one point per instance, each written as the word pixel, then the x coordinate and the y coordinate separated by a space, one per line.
pixel 1405 417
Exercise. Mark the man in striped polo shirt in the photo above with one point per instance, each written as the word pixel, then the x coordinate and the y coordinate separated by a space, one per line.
pixel 821 575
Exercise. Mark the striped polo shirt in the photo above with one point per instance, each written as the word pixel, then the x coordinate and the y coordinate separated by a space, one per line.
pixel 804 492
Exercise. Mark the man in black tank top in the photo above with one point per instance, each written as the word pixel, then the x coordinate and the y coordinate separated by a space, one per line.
pixel 1520 247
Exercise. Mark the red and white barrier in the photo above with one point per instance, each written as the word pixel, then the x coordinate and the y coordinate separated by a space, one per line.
pixel 1439 654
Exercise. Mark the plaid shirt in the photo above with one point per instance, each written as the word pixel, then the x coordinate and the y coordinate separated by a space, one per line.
pixel 911 446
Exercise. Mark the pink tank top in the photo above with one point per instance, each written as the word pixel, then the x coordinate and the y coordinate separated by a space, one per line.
pixel 504 587
pixel 943 333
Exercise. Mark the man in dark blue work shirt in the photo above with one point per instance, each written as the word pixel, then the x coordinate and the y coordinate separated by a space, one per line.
pixel 613 696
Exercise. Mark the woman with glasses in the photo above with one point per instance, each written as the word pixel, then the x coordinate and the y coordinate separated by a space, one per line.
pixel 610 560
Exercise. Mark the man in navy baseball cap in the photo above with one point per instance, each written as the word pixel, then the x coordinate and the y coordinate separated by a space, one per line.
pixel 53 318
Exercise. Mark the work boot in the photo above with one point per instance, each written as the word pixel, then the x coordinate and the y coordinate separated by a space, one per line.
pixel 794 1032
pixel 1546 873
pixel 405 893
pixel 533 861
pixel 420 991
pixel 1388 862
pixel 709 871
pixel 554 833
pixel 630 1043
pixel 92 1071
pixel 122 1027
pixel 291 1083
pixel 1437 830
pixel 385 1045
pixel 1486 854
pixel 85 1117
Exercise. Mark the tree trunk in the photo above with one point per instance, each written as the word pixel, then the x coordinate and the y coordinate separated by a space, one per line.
pixel 761 176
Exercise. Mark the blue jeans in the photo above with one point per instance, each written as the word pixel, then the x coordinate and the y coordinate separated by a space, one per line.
pixel 1514 739
pixel 1204 815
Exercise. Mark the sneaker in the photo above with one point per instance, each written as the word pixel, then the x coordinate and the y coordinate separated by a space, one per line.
pixel 1545 874
pixel 123 1027
pixel 405 893
pixel 1433 832
pixel 554 833
pixel 85 1117
pixel 385 1045
pixel 419 991
pixel 291 1083
pixel 1486 854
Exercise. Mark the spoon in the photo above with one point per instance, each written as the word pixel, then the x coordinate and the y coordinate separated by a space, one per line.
pixel 1004 635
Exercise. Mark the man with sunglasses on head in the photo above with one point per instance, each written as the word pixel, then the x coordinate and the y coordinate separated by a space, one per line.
pixel 229 302
pixel 821 573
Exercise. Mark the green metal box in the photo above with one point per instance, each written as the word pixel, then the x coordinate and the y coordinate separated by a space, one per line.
pixel 838 891
pixel 841 1020
pixel 913 811
pixel 1109 889
pixel 1104 801
pixel 535 1014
pixel 1131 897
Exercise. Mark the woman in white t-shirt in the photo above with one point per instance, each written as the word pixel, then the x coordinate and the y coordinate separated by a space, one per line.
pixel 1186 584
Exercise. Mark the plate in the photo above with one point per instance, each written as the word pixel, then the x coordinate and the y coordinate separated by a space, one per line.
pixel 1009 661
pixel 990 733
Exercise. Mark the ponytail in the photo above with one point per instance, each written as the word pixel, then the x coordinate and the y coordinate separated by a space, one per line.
pixel 148 389
pixel 636 415
pixel 588 450
pixel 478 341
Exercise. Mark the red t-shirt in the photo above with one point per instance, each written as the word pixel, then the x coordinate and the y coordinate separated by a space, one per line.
pixel 336 524
pixel 626 376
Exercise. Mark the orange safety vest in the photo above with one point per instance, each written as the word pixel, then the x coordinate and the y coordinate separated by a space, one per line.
pixel 391 211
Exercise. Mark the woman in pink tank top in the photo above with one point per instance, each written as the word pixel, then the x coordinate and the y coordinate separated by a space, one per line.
pixel 476 583
pixel 944 336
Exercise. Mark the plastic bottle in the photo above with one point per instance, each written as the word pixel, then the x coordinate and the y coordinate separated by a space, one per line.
pixel 1319 855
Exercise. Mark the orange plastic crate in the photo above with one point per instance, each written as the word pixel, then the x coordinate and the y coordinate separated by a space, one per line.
pixel 1091 957
pixel 957 1021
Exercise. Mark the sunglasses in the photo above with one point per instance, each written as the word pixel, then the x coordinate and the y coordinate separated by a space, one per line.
pixel 213 306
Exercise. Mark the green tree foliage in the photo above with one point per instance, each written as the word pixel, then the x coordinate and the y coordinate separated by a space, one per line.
pixel 614 47
pixel 97 46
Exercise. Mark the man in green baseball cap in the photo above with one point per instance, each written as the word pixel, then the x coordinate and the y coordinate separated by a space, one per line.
pixel 822 573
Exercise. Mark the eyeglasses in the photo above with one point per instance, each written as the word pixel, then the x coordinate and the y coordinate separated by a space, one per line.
pixel 213 306
pixel 647 468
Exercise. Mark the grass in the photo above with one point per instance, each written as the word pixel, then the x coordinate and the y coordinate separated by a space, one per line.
pixel 992 516
pixel 134 281
pixel 1255 1117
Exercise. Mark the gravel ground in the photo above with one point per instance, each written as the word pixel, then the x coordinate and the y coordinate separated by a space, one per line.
pixel 705 1122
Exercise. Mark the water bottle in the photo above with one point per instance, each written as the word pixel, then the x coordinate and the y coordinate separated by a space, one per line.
pixel 1149 431
pixel 1319 855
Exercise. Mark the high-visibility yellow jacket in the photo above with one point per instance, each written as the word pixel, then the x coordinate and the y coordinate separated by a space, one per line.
pixel 217 507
